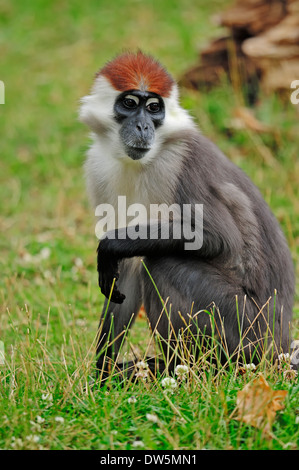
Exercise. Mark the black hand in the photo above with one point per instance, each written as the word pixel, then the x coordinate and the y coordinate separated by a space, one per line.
pixel 108 271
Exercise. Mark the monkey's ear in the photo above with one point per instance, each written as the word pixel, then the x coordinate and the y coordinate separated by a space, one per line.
pixel 92 115
pixel 176 118
pixel 96 110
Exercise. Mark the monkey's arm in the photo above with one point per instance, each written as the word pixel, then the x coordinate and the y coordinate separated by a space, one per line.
pixel 221 239
pixel 118 244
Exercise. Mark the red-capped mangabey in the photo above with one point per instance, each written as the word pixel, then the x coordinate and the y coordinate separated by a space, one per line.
pixel 147 148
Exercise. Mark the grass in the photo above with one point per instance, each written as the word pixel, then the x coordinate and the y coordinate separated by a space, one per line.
pixel 50 303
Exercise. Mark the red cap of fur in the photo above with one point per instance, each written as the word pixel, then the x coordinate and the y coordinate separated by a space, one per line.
pixel 138 71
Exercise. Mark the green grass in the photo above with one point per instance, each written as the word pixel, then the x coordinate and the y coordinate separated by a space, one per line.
pixel 50 303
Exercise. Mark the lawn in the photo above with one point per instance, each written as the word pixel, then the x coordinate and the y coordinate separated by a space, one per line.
pixel 50 302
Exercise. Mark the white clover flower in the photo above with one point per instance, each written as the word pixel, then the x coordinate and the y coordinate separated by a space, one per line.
pixel 59 419
pixel 78 262
pixel 250 366
pixel 47 396
pixel 142 365
pixel 142 374
pixel 142 370
pixel 40 420
pixel 138 444
pixel 284 357
pixel 132 400
pixel 16 442
pixel 81 322
pixel 45 253
pixel 152 418
pixel 49 276
pixel 32 438
pixel 181 370
pixel 169 384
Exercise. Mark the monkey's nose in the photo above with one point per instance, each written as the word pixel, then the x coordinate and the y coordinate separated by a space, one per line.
pixel 142 129
pixel 140 126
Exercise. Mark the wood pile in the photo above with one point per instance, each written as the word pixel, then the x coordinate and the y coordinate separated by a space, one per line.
pixel 262 46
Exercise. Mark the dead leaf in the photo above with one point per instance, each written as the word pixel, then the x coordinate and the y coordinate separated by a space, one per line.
pixel 141 313
pixel 257 404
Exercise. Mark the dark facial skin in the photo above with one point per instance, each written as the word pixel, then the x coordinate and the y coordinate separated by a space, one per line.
pixel 139 114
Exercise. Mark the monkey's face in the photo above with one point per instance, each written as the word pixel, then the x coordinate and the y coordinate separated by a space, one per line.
pixel 133 111
pixel 139 114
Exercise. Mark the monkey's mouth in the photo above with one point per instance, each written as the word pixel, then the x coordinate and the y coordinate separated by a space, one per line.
pixel 136 153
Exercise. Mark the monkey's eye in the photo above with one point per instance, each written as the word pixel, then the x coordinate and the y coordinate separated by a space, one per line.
pixel 153 105
pixel 131 102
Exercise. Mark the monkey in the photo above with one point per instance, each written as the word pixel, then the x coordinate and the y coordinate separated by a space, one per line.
pixel 147 148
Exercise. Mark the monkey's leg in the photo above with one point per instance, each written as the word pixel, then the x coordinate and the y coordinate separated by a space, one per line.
pixel 116 318
pixel 201 305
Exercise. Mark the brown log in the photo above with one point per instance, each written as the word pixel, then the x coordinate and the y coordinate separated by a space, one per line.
pixel 262 41
pixel 253 16
pixel 276 52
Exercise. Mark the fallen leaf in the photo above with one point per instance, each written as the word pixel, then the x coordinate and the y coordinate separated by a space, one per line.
pixel 141 313
pixel 257 404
